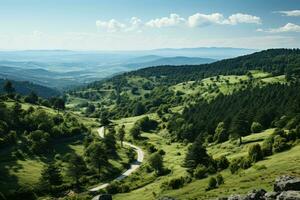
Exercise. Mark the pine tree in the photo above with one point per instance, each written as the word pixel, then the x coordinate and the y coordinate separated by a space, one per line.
pixel 51 175
pixel 76 167
pixel 8 87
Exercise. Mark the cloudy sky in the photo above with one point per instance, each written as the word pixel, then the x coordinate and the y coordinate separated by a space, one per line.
pixel 148 24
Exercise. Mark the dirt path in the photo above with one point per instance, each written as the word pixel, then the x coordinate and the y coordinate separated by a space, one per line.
pixel 133 167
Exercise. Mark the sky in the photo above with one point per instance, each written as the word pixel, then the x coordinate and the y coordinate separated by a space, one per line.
pixel 148 24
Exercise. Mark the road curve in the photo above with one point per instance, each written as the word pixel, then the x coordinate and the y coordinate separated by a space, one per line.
pixel 133 167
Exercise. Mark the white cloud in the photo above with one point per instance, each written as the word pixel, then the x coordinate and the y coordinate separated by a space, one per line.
pixel 196 20
pixel 240 18
pixel 199 19
pixel 290 13
pixel 111 25
pixel 135 24
pixel 289 27
pixel 172 20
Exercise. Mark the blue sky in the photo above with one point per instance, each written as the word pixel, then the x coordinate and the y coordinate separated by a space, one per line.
pixel 148 24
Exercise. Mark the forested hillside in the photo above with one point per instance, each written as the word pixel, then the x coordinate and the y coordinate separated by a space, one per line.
pixel 150 89
pixel 25 88
pixel 205 127
pixel 46 150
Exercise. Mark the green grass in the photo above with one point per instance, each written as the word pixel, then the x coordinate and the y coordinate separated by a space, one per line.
pixel 261 175
pixel 210 87
pixel 26 170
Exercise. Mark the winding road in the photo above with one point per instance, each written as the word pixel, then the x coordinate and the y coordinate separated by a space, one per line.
pixel 133 167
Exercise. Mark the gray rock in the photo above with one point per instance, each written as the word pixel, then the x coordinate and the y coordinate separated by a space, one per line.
pixel 271 195
pixel 289 195
pixel 285 183
pixel 256 195
pixel 235 197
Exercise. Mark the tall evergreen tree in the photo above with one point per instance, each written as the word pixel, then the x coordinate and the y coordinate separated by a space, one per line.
pixel 8 87
pixel 240 126
pixel 76 168
pixel 51 175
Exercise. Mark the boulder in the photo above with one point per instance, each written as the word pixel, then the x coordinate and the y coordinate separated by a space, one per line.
pixel 285 183
pixel 289 195
pixel 271 195
pixel 256 195
pixel 235 197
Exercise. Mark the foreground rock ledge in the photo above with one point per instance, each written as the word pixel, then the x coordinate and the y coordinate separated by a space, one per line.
pixel 285 188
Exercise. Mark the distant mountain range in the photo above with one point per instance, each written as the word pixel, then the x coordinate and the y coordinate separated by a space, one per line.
pixel 25 88
pixel 62 69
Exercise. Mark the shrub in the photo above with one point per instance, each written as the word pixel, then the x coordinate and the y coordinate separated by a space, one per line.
pixel 151 148
pixel 255 153
pixel 147 124
pixel 135 132
pixel 240 163
pixel 280 144
pixel 212 183
pixel 156 162
pixel 200 172
pixel 245 163
pixel 162 152
pixel 256 127
pixel 175 183
pixel 267 146
pixel 222 163
pixel 220 179
pixel 211 169
pixel 234 166
pixel 279 132
pixel 113 188
pixel 221 134
pixel 292 135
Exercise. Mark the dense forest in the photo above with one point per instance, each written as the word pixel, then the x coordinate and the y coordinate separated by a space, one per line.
pixel 25 88
pixel 276 61
pixel 271 106
pixel 149 90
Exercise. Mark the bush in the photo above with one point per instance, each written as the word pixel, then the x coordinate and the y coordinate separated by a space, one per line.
pixel 280 144
pixel 113 188
pixel 267 146
pixel 240 163
pixel 151 148
pixel 256 127
pixel 245 163
pixel 175 183
pixel 212 183
pixel 162 152
pixel 200 172
pixel 221 134
pixel 234 166
pixel 220 179
pixel 147 124
pixel 135 132
pixel 255 153
pixel 222 163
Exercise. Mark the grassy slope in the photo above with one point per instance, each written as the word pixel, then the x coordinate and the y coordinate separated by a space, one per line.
pixel 207 88
pixel 262 174
pixel 27 171
pixel 149 185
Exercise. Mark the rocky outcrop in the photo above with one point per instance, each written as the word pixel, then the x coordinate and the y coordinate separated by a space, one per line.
pixel 285 188
pixel 285 183
pixel 289 195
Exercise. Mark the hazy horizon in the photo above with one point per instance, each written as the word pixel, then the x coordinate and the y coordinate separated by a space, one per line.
pixel 132 26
